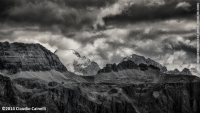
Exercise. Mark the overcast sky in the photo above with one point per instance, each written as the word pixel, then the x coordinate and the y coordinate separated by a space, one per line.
pixel 106 30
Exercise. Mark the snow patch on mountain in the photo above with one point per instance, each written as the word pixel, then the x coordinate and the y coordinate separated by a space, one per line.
pixel 76 63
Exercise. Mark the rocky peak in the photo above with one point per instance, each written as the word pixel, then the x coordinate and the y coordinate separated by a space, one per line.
pixel 185 71
pixel 137 59
pixel 176 71
pixel 15 57
pixel 76 63
pixel 109 68
pixel 129 64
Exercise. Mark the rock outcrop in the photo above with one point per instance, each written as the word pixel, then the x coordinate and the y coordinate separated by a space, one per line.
pixel 15 57
pixel 128 64
pixel 185 71
pixel 169 97
pixel 142 60
pixel 7 94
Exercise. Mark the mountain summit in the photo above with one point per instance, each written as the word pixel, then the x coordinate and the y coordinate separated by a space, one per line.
pixel 76 63
pixel 16 57
pixel 185 71
pixel 142 60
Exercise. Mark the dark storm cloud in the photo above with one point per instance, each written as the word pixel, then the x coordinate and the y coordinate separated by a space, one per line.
pixel 157 34
pixel 189 49
pixel 186 47
pixel 178 32
pixel 115 45
pixel 71 15
pixel 90 40
pixel 55 15
pixel 192 37
pixel 136 35
pixel 71 24
pixel 6 5
pixel 174 46
pixel 89 3
pixel 141 12
pixel 47 14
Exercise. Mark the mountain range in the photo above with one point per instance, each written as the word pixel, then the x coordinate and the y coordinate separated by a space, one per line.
pixel 135 61
pixel 81 65
pixel 32 76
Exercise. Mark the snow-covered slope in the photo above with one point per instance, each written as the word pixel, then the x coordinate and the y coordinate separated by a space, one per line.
pixel 76 63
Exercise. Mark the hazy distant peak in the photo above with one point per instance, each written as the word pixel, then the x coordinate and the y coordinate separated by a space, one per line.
pixel 76 63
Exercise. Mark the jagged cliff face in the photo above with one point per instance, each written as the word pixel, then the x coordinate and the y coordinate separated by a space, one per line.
pixel 17 57
pixel 133 61
pixel 123 88
pixel 166 98
pixel 76 63
pixel 142 60
pixel 128 64
pixel 7 94
pixel 103 97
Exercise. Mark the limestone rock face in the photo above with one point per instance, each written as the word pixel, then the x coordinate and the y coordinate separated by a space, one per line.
pixel 169 97
pixel 17 57
pixel 109 68
pixel 142 60
pixel 121 66
pixel 7 94
pixel 129 64
pixel 181 96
